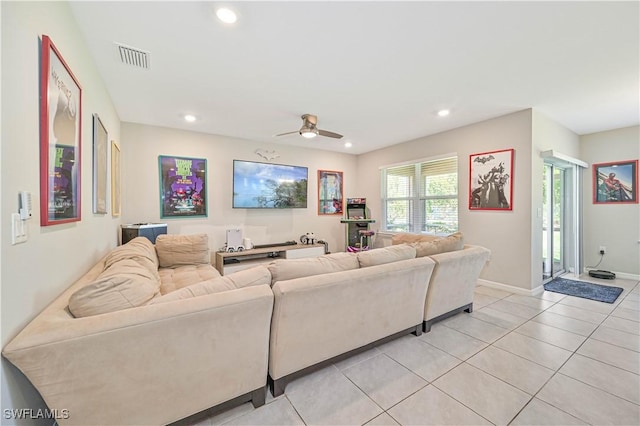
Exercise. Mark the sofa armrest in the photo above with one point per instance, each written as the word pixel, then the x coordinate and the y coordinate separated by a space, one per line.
pixel 454 279
pixel 149 365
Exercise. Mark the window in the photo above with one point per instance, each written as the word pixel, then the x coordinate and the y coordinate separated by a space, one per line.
pixel 421 197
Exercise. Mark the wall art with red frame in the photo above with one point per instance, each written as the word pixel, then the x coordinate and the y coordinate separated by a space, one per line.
pixel 60 139
pixel 616 182
pixel 330 192
pixel 491 180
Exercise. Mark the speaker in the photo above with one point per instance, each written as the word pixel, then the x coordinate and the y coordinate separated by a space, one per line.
pixel 147 230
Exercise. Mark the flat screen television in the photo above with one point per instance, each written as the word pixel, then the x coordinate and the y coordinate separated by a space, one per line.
pixel 268 186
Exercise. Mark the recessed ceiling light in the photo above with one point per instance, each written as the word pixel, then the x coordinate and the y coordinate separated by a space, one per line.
pixel 348 144
pixel 443 112
pixel 190 118
pixel 227 16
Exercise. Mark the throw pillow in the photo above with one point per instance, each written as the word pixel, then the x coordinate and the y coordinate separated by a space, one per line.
pixel 386 255
pixel 452 242
pixel 177 250
pixel 124 285
pixel 408 238
pixel 139 249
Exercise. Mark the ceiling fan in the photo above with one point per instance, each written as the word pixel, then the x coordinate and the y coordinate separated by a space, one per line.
pixel 309 129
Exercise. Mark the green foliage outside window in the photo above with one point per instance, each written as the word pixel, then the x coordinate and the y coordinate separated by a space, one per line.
pixel 430 208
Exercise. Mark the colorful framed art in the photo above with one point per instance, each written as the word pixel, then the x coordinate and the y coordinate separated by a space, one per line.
pixel 330 192
pixel 491 180
pixel 615 183
pixel 182 187
pixel 60 139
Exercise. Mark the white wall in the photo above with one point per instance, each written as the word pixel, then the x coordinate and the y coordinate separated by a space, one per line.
pixel 506 233
pixel 35 272
pixel 615 226
pixel 546 135
pixel 143 144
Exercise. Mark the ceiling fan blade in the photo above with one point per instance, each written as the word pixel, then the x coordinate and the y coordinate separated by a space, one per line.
pixel 289 133
pixel 329 134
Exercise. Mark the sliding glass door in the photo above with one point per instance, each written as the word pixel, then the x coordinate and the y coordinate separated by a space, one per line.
pixel 553 221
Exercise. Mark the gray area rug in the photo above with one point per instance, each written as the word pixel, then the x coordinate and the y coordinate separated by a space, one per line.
pixel 601 293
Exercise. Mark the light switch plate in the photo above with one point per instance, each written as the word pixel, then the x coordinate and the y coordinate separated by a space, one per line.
pixel 18 229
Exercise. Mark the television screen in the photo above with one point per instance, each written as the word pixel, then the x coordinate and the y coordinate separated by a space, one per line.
pixel 268 186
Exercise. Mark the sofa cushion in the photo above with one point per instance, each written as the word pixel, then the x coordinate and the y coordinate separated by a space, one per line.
pixel 172 279
pixel 288 269
pixel 452 242
pixel 384 255
pixel 407 238
pixel 249 277
pixel 139 249
pixel 178 250
pixel 125 284
pixel 257 275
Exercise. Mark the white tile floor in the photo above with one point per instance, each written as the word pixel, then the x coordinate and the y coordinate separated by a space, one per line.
pixel 545 360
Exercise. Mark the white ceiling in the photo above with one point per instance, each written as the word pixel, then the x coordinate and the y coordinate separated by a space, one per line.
pixel 376 72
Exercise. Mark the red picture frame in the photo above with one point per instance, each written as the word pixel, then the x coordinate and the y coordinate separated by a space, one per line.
pixel 330 192
pixel 60 139
pixel 491 180
pixel 615 182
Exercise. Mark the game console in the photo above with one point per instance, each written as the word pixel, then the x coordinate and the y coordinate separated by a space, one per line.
pixel 234 241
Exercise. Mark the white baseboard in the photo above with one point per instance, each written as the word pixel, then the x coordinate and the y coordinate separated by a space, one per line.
pixel 510 288
pixel 540 288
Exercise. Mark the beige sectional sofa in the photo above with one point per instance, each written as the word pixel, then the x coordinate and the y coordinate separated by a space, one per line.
pixel 335 305
pixel 455 275
pixel 153 334
pixel 154 363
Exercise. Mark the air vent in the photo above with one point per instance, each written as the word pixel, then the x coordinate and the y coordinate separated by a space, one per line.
pixel 133 56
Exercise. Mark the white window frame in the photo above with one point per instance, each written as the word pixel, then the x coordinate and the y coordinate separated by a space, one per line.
pixel 416 199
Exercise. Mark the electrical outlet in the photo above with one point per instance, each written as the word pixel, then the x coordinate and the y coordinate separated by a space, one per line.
pixel 603 249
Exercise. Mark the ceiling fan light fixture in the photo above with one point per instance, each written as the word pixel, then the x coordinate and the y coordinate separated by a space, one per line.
pixel 308 133
pixel 310 130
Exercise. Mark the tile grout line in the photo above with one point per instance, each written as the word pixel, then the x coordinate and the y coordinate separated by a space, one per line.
pixel 555 371
pixel 509 330
pixel 372 400
pixel 558 372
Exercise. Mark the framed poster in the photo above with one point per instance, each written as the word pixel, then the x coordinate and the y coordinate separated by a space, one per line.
pixel 330 192
pixel 116 186
pixel 491 180
pixel 60 139
pixel 100 143
pixel 182 187
pixel 615 183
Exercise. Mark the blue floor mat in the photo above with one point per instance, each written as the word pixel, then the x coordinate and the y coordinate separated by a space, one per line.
pixel 601 293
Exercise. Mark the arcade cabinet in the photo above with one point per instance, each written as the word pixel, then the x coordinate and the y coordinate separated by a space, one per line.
pixel 358 237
